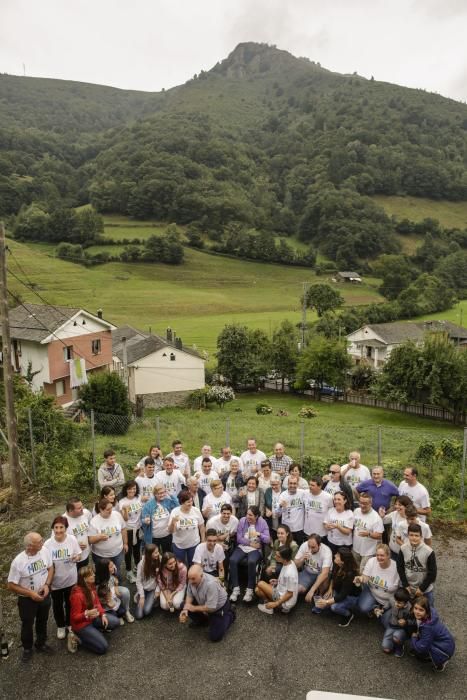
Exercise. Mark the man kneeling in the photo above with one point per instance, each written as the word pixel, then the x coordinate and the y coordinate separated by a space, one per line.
pixel 280 593
pixel 206 604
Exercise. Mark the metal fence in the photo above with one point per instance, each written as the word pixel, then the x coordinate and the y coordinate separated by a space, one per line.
pixel 313 443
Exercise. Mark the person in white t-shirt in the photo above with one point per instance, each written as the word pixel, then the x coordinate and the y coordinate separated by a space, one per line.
pixel 65 552
pixel 314 561
pixel 180 458
pixel 295 470
pixel 367 531
pixel 339 522
pixel 78 526
pixel 108 535
pixel 130 506
pixel 210 555
pixel 205 475
pixel 293 509
pixel 251 459
pixel 156 453
pixel 417 493
pixel 206 451
pixel 225 524
pixel 354 472
pixel 234 483
pixel 413 518
pixel 223 463
pixel 381 580
pixel 30 577
pixel 317 503
pixel 397 519
pixel 170 478
pixel 186 525
pixel 147 482
pixel 214 501
pixel 280 594
pixel 264 476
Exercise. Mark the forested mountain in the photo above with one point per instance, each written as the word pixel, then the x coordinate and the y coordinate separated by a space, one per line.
pixel 263 139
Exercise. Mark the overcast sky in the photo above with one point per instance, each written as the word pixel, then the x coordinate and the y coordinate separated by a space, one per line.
pixel 154 44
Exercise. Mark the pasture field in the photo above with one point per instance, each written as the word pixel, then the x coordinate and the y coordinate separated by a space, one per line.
pixel 449 214
pixel 197 298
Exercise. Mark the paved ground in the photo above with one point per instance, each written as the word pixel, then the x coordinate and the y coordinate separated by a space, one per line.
pixel 268 658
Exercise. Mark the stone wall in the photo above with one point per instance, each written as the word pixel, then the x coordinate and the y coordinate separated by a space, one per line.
pixel 167 398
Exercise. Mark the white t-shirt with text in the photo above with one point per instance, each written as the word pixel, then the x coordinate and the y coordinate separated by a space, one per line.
pixel 62 553
pixel 186 533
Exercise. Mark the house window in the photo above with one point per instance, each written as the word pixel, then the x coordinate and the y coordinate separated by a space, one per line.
pixel 68 353
pixel 59 387
pixel 368 351
pixel 172 356
pixel 96 346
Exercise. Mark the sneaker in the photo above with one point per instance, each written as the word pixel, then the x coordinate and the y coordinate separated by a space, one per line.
pixel 346 620
pixel 399 651
pixel 262 608
pixel 26 656
pixel 72 642
pixel 440 667
pixel 61 632
pixel 130 577
pixel 129 617
pixel 122 622
pixel 235 594
pixel 248 597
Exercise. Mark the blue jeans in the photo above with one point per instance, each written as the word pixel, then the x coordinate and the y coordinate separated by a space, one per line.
pixel 184 555
pixel 124 602
pixel 306 579
pixel 252 560
pixel 146 610
pixel 393 636
pixel 346 607
pixel 92 636
pixel 367 602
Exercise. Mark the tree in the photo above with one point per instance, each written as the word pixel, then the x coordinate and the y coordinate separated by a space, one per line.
pixel 243 355
pixel 325 361
pixel 32 224
pixel 285 351
pixel 323 298
pixel 107 395
pixel 397 273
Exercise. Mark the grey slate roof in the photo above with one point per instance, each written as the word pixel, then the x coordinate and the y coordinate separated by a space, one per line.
pixel 400 331
pixel 37 321
pixel 140 344
pixel 349 275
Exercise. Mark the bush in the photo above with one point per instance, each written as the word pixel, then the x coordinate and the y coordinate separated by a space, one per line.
pixel 106 394
pixel 262 409
pixel 307 412
pixel 197 399
pixel 220 394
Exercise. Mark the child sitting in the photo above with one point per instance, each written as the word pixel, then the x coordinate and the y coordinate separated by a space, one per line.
pixel 396 630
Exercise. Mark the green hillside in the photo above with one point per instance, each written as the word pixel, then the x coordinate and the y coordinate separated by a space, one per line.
pixel 449 214
pixel 197 298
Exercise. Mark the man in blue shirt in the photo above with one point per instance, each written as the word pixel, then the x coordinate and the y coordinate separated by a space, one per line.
pixel 381 490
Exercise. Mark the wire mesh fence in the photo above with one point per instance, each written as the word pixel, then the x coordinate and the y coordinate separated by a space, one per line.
pixel 440 456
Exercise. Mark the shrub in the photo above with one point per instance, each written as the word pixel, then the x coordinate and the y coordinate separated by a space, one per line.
pixel 106 394
pixel 220 394
pixel 307 412
pixel 197 399
pixel 262 409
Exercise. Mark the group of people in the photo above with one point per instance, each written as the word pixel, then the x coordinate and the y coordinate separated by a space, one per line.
pixel 350 542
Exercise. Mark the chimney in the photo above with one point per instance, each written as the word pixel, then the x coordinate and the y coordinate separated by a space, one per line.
pixel 99 313
pixel 169 335
pixel 178 343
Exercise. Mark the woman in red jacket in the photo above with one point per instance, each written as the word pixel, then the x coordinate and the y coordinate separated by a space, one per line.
pixel 87 617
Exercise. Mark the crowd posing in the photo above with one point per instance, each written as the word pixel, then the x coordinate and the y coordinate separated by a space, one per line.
pixel 189 536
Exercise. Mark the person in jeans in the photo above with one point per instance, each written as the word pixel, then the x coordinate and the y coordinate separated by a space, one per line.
pixel 186 525
pixel 88 618
pixel 206 604
pixel 397 625
pixel 252 535
pixel 130 506
pixel 342 595
pixel 155 519
pixel 114 598
pixel 146 581
pixel 65 552
pixel 108 534
pixel 30 577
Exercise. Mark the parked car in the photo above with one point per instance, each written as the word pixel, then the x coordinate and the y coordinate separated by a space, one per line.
pixel 326 389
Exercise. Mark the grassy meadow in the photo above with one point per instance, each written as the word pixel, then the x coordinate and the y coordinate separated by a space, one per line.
pixel 197 298
pixel 449 214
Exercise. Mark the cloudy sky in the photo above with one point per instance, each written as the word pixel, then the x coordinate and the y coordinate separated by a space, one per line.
pixel 151 44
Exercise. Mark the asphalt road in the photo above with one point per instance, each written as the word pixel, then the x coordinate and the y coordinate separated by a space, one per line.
pixel 264 657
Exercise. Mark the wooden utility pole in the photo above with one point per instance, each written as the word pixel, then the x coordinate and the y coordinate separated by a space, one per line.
pixel 13 453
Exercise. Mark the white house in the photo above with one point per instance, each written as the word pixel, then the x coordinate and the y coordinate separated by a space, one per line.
pixel 160 372
pixel 374 342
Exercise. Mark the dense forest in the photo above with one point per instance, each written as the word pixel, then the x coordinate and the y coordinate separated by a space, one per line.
pixel 263 141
